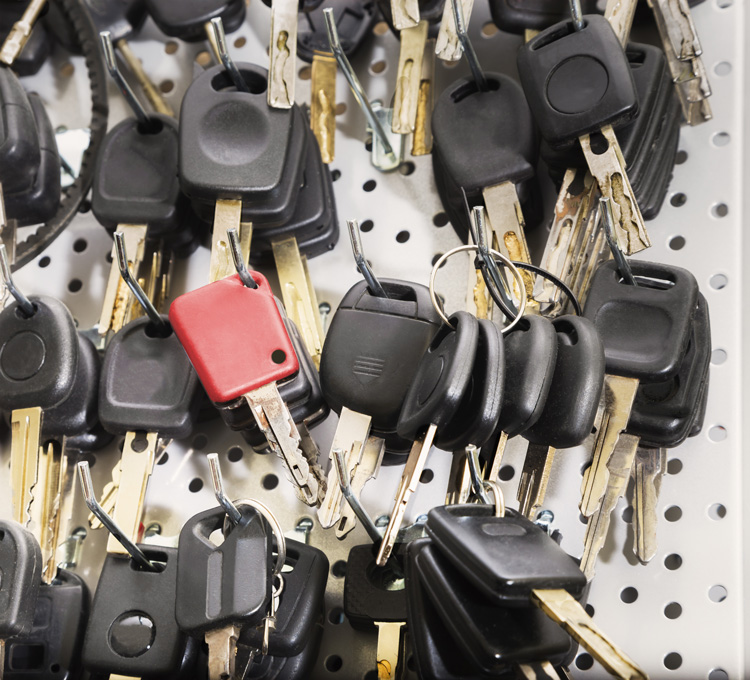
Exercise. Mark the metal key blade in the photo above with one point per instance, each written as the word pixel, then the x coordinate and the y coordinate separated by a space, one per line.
pixel 675 23
pixel 566 611
pixel 19 34
pixel 448 46
pixel 497 458
pixel 534 478
pixel 283 47
pixel 618 397
pixel 537 671
pixel 52 467
pixel 459 480
pixel 368 467
pixel 405 14
pixel 421 143
pixel 149 89
pixel 408 78
pixel 274 420
pixel 389 643
pixel 222 652
pixel 609 170
pixel 137 464
pixel 647 472
pixel 323 103
pixel 227 215
pixel 415 463
pixel 26 429
pixel 351 434
pixel 109 496
pixel 619 468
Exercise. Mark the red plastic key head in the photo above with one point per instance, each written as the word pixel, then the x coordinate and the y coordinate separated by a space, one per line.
pixel 234 336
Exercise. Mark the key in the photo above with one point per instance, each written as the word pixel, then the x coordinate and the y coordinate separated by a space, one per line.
pixel 375 599
pixel 323 103
pixel 213 347
pixel 448 46
pixel 647 472
pixel 540 573
pixel 565 113
pixel 408 78
pixel 569 409
pixel 405 14
pixel 430 11
pixel 19 35
pixel 354 21
pixel 21 567
pixel 283 56
pixel 186 20
pixel 513 16
pixel 447 368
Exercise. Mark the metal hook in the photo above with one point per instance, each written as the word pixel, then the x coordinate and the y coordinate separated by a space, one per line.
pixel 111 60
pixel 219 39
pixel 239 262
pixel 608 224
pixel 354 84
pixel 356 506
pixel 146 304
pixel 87 486
pixel 230 508
pixel 468 48
pixel 498 280
pixel 577 14
pixel 477 486
pixel 355 237
pixel 23 302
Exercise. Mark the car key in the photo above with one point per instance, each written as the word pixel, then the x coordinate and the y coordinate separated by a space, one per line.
pixel 517 16
pixel 37 48
pixel 187 20
pixel 375 599
pixel 292 668
pixel 432 401
pixel 566 113
pixel 448 44
pixel 513 562
pixel 353 19
pixel 19 34
pixel 569 409
pixel 200 319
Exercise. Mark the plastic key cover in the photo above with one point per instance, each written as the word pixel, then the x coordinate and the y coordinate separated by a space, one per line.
pixel 372 593
pixel 577 81
pixel 479 411
pixel 147 384
pixel 530 357
pixel 353 18
pixel 185 19
pixel 442 377
pixel 234 336
pixel 492 636
pixel 132 628
pixel 135 181
pixel 301 603
pixel 19 140
pixel 515 16
pixel 645 328
pixel 663 413
pixel 571 405
pixel 373 348
pixel 52 650
pixel 21 570
pixel 503 557
pixel 225 584
pixel 38 355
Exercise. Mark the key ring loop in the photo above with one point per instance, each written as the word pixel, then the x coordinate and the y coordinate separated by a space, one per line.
pixel 277 532
pixel 505 261
pixel 497 492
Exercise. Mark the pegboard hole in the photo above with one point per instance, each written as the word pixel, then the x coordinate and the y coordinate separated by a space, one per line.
pixel 680 157
pixel 718 357
pixel 403 236
pixel 723 68
pixel 44 262
pixel 85 206
pixel 381 28
pixel 672 661
pixel 80 244
pixel 629 595
pixel 166 86
pixel 195 485
pixel 427 476
pixel 718 674
pixel 506 473
pixel 75 285
pixel 54 668
pixel 407 168
pixel 673 562
pixel 334 663
pixel 203 59
pixel 720 210
pixel 370 675
pixel 240 42
pixel 677 242
pixel 673 513
pixel 717 433
pixel 489 30
pixel 366 226
pixel 627 515
pixel 161 460
pixel 678 200
pixel 674 466
pixel 440 219
pixel 590 610
pixel 270 481
pixel 717 593
pixel 67 70
pixel 378 67
pixel 718 281
pixel 235 454
pixel 369 185
pixel 717 511
pixel 338 569
pixel 721 139
pixel 305 73
pixel 171 46
pixel 435 259
pixel 584 662
pixel 673 610
pixel 336 616
pixel 199 441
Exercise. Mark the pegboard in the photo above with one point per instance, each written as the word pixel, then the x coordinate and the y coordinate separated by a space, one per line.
pixel 681 616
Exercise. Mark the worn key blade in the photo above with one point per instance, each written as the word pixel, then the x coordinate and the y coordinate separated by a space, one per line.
pixel 283 48
pixel 222 652
pixel 323 103
pixel 618 468
pixel 26 428
pixel 351 434
pixel 566 611
pixel 137 463
pixel 497 458
pixel 227 215
pixel 617 397
pixel 459 480
pixel 675 23
pixel 408 78
pixel 405 14
pixel 537 671
pixel 367 469
pixel 620 14
pixel 109 496
pixel 448 46
pixel 421 143
pixel 648 471
pixel 389 643
pixel 52 467
pixel 534 478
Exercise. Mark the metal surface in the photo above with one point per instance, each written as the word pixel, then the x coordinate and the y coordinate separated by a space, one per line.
pixel 704 476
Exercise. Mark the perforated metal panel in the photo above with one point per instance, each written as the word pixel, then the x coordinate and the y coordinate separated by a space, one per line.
pixel 680 616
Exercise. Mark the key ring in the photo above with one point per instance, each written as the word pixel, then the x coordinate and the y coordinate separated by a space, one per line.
pixel 506 262
pixel 277 532
pixel 497 492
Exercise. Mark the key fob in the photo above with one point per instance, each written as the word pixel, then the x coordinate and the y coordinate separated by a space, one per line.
pixel 21 568
pixel 429 10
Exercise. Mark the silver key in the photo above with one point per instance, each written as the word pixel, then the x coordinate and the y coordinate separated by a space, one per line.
pixel 675 23
pixel 448 46
pixel 405 14
pixel 368 467
pixel 283 54
pixel 222 652
pixel 648 471
pixel 408 78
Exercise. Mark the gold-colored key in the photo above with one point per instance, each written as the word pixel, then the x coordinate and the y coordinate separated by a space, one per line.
pixel 20 33
pixel 448 46
pixel 409 78
pixel 323 103
pixel 421 143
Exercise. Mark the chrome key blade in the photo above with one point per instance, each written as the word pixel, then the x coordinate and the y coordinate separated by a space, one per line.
pixel 648 472
pixel 408 78
pixel 389 643
pixel 222 652
pixel 367 469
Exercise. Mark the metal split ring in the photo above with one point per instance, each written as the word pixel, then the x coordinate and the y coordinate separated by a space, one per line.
pixel 275 527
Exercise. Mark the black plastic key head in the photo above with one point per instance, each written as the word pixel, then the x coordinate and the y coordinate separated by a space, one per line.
pixel 577 81
pixel 21 569
pixel 442 377
pixel 229 583
pixel 353 18
pixel 147 383
pixel 186 19
pixel 300 606
pixel 570 408
pixel 645 328
pixel 373 348
pixel 430 11
pixel 38 355
pixel 505 558
pixel 479 411
pixel 132 628
pixel 515 16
